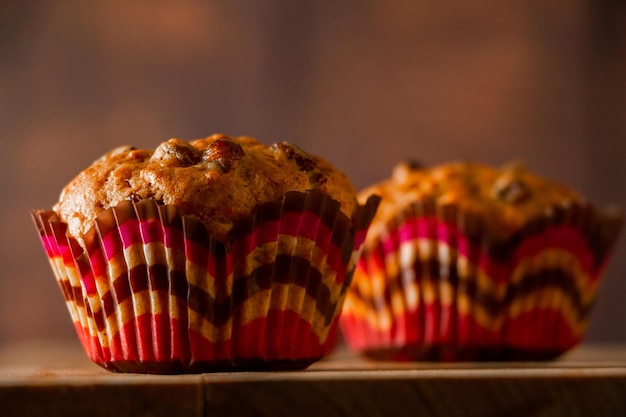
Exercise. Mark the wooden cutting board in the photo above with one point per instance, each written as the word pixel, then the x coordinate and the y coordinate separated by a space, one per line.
pixel 50 379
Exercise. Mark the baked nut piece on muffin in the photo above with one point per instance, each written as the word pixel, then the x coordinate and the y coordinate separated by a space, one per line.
pixel 216 254
pixel 464 261
pixel 507 198
pixel 216 180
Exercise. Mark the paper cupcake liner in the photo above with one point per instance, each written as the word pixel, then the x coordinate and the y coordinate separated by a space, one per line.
pixel 434 285
pixel 151 291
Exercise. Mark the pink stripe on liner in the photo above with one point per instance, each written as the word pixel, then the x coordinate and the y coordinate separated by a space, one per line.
pixel 50 245
pixel 59 250
pixel 130 232
pixel 111 244
pixel 200 256
pixel 437 231
pixel 66 254
pixel 391 243
pixel 151 231
pixel 305 224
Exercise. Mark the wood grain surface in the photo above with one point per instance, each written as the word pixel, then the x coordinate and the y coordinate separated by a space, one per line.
pixel 47 379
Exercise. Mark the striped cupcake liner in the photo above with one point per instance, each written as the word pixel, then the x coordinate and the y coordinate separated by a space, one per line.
pixel 434 285
pixel 151 291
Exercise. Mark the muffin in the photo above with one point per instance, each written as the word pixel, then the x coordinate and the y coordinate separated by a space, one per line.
pixel 216 254
pixel 464 261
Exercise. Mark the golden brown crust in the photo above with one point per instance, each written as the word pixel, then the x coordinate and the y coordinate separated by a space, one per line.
pixel 217 179
pixel 506 198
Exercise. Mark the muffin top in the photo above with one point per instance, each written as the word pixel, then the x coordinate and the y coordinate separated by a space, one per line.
pixel 217 180
pixel 505 198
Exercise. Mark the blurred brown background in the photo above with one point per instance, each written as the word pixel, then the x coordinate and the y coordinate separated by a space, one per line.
pixel 364 84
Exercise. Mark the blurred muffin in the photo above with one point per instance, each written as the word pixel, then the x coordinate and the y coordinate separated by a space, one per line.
pixel 468 262
pixel 216 254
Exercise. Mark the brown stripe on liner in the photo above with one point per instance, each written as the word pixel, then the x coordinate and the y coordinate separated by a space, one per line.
pixel 266 212
pixel 67 289
pixel 71 293
pixel 606 234
pixel 138 280
pixel 364 214
pixel 195 231
pixel 151 277
pixel 332 217
pixel 143 277
pixel 317 203
pixel 219 311
pixel 58 230
pixel 78 296
pixel 546 278
pixel 294 201
pixel 448 271
pixel 529 283
pixel 550 278
pixel 159 280
pixel 121 289
pixel 99 317
pixel 175 283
